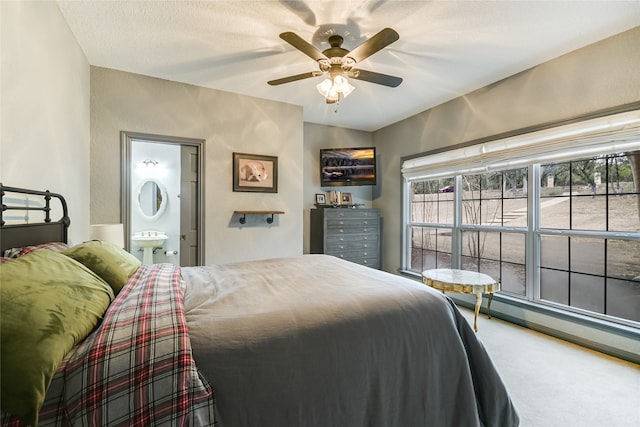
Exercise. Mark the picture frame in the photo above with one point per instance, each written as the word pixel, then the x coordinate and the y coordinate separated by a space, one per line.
pixel 321 199
pixel 255 173
pixel 335 197
pixel 346 199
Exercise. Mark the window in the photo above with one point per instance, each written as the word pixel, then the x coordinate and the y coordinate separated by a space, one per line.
pixel 563 232
pixel 432 222
pixel 593 269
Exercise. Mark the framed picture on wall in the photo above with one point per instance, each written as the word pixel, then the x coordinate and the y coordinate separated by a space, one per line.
pixel 346 199
pixel 255 173
pixel 321 199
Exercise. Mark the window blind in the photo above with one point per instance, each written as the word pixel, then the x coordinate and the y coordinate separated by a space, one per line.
pixel 617 133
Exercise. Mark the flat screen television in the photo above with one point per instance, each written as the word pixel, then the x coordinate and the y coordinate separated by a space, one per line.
pixel 347 166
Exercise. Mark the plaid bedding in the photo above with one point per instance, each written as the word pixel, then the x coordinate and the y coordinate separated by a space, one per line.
pixel 137 368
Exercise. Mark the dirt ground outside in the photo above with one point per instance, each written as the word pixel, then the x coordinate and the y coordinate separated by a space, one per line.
pixel 584 211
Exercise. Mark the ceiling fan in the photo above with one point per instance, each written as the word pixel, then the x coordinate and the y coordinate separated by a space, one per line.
pixel 338 63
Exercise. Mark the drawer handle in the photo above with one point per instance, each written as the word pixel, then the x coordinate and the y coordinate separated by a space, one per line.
pixel 341 222
pixel 342 239
pixel 366 222
pixel 365 254
pixel 341 247
pixel 365 237
pixel 365 246
pixel 341 230
pixel 365 261
pixel 366 229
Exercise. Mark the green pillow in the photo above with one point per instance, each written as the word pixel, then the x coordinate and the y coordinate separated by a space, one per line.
pixel 113 264
pixel 48 303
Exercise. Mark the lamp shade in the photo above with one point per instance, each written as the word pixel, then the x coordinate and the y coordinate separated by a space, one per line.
pixel 113 233
pixel 324 87
pixel 342 86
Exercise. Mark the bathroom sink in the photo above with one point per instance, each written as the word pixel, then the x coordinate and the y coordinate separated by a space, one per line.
pixel 151 239
pixel 148 241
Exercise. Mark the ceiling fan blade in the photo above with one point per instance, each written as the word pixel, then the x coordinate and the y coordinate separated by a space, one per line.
pixel 379 78
pixel 379 41
pixel 302 45
pixel 293 78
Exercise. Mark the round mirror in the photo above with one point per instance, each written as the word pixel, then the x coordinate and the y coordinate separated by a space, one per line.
pixel 152 199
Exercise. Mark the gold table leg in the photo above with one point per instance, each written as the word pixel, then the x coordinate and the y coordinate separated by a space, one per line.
pixel 489 305
pixel 478 304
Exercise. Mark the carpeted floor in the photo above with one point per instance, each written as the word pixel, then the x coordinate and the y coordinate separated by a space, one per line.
pixel 554 383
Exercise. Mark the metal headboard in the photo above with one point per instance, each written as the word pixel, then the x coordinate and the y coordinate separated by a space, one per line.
pixel 19 235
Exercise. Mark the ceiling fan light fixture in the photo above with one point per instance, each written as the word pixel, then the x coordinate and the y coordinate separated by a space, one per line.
pixel 337 63
pixel 333 90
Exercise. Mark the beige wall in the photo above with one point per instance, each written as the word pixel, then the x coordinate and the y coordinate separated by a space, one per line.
pixel 603 75
pixel 228 123
pixel 319 136
pixel 44 107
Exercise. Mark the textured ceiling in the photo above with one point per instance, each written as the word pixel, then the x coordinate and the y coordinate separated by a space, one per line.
pixel 446 48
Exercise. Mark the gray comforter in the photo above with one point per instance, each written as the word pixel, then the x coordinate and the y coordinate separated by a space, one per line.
pixel 317 341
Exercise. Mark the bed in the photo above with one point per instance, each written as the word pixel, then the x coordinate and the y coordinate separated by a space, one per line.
pixel 302 341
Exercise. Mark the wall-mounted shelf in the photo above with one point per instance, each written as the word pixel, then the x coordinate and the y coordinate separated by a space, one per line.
pixel 244 214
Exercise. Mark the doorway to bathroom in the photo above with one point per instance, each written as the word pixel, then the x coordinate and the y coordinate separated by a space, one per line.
pixel 162 198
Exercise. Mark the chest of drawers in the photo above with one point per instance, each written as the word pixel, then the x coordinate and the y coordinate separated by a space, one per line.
pixel 351 234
